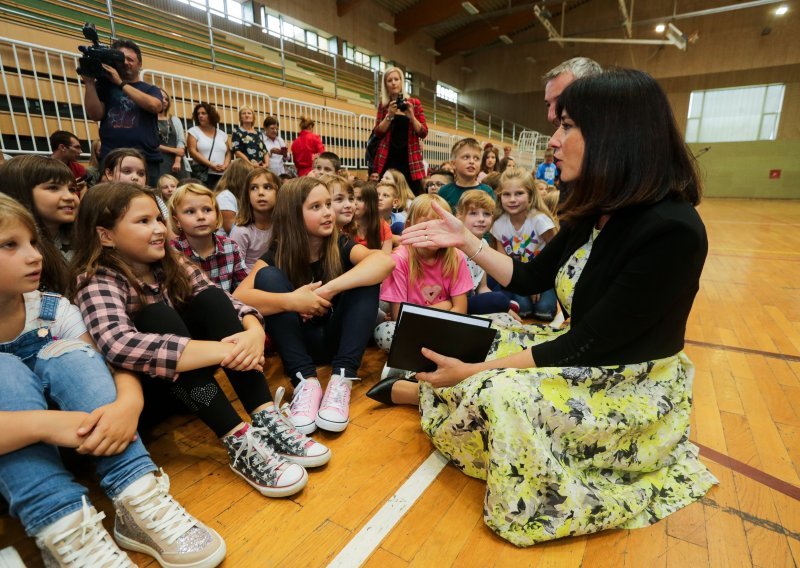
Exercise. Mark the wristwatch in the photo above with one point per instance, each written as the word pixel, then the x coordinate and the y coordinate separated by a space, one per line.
pixel 122 85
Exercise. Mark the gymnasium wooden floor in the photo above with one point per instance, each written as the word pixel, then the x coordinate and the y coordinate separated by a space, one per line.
pixel 744 336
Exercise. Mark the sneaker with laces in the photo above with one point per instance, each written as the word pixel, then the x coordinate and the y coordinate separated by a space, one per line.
pixel 334 410
pixel 305 404
pixel 275 430
pixel 260 466
pixel 79 540
pixel 151 521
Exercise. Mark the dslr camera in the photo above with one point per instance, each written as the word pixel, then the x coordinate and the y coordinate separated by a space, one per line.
pixel 401 103
pixel 91 62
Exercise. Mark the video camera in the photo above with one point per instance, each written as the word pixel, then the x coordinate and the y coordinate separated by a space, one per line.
pixel 91 63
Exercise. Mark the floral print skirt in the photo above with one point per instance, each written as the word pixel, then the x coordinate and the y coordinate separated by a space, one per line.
pixel 570 450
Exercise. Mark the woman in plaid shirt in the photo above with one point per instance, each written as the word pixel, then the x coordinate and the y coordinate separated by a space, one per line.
pixel 151 311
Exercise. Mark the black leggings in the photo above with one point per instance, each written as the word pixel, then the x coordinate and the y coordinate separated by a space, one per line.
pixel 210 315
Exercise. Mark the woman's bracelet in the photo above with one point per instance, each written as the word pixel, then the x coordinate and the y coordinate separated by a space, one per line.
pixel 477 252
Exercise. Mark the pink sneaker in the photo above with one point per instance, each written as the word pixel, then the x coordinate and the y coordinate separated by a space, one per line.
pixel 305 404
pixel 334 411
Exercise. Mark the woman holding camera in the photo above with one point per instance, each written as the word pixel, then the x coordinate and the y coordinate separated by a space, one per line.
pixel 400 125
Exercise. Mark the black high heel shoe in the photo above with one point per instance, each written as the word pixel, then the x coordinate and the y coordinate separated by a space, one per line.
pixel 382 392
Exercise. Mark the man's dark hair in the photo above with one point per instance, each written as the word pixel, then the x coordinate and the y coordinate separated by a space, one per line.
pixel 441 172
pixel 269 121
pixel 128 44
pixel 633 151
pixel 59 138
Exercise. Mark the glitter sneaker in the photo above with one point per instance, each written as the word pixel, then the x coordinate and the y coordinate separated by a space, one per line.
pixel 261 466
pixel 334 410
pixel 275 430
pixel 149 520
pixel 79 540
pixel 305 404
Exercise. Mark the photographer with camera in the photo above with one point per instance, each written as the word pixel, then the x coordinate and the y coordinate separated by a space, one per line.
pixel 400 125
pixel 126 107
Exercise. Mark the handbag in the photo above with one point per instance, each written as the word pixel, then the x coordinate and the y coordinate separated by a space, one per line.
pixel 200 171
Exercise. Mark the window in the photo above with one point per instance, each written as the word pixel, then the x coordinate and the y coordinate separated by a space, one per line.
pixel 735 115
pixel 409 80
pixel 273 26
pixel 235 11
pixel 446 93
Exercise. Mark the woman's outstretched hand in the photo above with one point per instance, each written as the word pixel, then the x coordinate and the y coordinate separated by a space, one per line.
pixel 447 231
pixel 449 370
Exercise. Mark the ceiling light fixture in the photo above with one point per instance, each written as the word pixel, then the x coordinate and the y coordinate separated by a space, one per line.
pixel 781 10
pixel 466 69
pixel 469 8
pixel 433 51
pixel 506 40
pixel 660 28
pixel 387 27
pixel 530 59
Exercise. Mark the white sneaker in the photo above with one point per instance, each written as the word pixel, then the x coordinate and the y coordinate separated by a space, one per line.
pixel 80 540
pixel 9 558
pixel 334 411
pixel 305 404
pixel 152 521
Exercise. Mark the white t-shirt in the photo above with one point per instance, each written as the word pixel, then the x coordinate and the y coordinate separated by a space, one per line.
pixel 227 201
pixel 204 144
pixel 68 323
pixel 275 160
pixel 523 243
pixel 475 271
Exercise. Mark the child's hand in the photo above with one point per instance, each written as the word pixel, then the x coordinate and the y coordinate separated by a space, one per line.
pixel 62 428
pixel 248 351
pixel 304 300
pixel 325 292
pixel 109 429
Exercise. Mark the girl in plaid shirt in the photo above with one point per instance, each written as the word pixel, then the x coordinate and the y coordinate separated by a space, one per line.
pixel 195 218
pixel 151 311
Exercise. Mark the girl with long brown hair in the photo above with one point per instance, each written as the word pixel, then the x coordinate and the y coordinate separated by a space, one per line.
pixel 318 293
pixel 152 312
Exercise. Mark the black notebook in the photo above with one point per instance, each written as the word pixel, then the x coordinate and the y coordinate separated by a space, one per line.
pixel 455 335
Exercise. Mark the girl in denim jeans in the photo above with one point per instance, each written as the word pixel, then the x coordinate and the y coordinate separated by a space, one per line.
pixel 46 360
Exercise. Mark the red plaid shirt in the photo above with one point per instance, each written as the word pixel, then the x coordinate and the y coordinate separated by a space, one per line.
pixel 107 302
pixel 415 164
pixel 225 266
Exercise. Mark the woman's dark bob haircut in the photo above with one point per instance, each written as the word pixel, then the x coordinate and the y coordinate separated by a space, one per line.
pixel 213 115
pixel 633 151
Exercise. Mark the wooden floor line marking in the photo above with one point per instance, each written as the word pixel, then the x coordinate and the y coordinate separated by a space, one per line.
pixel 758 521
pixel 364 543
pixel 749 471
pixel 792 358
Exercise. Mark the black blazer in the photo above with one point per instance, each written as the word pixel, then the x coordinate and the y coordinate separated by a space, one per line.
pixel 633 298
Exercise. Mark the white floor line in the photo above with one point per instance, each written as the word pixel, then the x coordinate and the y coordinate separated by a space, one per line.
pixel 370 536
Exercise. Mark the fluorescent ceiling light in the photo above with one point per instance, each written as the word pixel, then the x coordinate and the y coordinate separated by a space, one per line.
pixel 506 40
pixel 387 27
pixel 781 10
pixel 660 28
pixel 530 59
pixel 466 69
pixel 469 8
pixel 432 51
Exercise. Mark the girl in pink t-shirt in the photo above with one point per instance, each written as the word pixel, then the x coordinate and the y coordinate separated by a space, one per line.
pixel 438 278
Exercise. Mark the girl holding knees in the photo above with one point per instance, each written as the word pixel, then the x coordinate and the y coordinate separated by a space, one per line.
pixel 318 292
pixel 152 312
pixel 47 358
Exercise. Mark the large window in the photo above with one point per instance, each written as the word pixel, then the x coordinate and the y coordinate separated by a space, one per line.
pixel 735 115
pixel 276 26
pixel 446 93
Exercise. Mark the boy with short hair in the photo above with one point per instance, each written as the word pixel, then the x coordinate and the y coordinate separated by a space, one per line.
pixel 437 180
pixel 466 159
pixel 327 163
pixel 476 210
pixel 547 170
pixel 391 207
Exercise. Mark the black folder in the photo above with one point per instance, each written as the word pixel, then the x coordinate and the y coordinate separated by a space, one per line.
pixel 455 335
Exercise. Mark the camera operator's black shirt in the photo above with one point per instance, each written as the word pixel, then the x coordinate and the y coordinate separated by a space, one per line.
pixel 126 124
pixel 398 144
